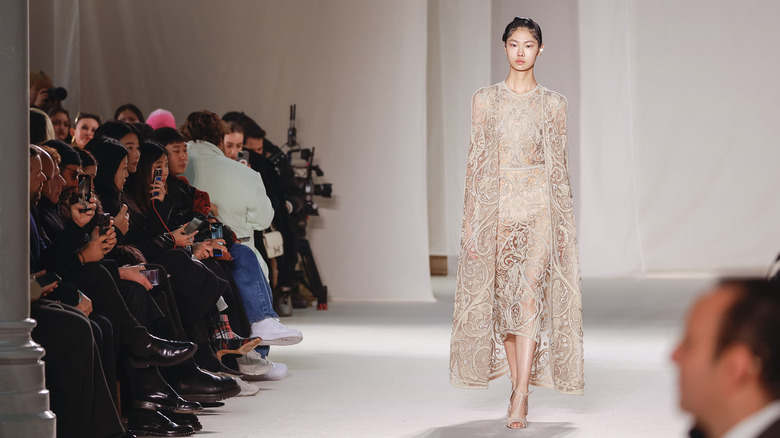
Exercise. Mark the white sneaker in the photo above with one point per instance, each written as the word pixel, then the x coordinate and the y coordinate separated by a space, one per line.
pixel 247 389
pixel 253 365
pixel 278 372
pixel 272 371
pixel 273 332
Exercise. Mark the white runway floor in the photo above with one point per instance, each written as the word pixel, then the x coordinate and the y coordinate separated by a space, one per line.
pixel 380 370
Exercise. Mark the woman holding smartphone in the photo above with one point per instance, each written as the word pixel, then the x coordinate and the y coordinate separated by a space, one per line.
pixel 518 305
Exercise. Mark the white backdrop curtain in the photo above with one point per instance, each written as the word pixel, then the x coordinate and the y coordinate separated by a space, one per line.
pixel 672 109
pixel 359 85
pixel 672 146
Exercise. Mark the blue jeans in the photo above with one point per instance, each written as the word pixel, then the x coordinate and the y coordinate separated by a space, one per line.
pixel 253 287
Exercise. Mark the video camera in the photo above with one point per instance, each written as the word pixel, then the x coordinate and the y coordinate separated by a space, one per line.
pixel 302 162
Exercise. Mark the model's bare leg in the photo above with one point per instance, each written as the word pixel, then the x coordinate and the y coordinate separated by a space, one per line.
pixel 511 357
pixel 524 349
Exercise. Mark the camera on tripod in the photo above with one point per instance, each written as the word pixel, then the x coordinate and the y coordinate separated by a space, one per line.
pixel 302 163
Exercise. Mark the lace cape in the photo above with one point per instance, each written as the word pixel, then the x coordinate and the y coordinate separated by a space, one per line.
pixel 476 354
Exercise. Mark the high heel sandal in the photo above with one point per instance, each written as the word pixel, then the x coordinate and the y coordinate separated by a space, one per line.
pixel 226 341
pixel 523 401
pixel 240 346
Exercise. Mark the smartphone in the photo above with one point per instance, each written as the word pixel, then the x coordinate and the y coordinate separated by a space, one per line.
pixel 153 275
pixel 243 157
pixel 84 191
pixel 47 279
pixel 157 177
pixel 216 230
pixel 104 223
pixel 216 252
pixel 193 225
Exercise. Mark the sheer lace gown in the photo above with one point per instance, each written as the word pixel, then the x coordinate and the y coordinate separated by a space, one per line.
pixel 518 271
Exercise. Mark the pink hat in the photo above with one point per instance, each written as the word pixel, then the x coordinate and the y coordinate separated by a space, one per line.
pixel 161 118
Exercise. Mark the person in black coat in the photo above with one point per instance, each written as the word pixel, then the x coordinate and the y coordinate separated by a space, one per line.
pixel 729 360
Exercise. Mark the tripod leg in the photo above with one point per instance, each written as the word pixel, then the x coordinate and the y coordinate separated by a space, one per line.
pixel 313 275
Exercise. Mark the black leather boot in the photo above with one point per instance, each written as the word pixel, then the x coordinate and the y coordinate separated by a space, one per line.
pixel 150 391
pixel 185 420
pixel 151 350
pixel 143 423
pixel 194 384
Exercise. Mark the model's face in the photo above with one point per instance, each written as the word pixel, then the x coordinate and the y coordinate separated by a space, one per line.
pixel 254 144
pixel 233 144
pixel 85 130
pixel 37 178
pixel 128 116
pixel 130 141
pixel 61 124
pixel 161 163
pixel 52 188
pixel 521 50
pixel 700 373
pixel 121 175
pixel 177 158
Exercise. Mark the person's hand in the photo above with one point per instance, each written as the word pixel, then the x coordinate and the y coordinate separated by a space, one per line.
pixel 202 250
pixel 85 305
pixel 122 219
pixel 220 245
pixel 45 290
pixel 82 218
pixel 41 97
pixel 111 234
pixel 133 273
pixel 98 246
pixel 159 187
pixel 182 239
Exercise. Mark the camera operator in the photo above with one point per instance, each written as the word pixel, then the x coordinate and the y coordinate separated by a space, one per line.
pixel 43 94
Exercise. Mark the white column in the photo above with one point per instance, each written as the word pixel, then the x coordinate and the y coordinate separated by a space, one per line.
pixel 24 400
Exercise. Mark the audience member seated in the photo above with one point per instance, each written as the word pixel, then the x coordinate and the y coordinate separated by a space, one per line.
pixel 161 118
pixel 129 113
pixel 126 134
pixel 237 191
pixel 84 129
pixel 729 361
pixel 60 119
pixel 41 129
pixel 286 197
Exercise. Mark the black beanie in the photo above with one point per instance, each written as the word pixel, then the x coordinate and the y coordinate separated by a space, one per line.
pixel 67 154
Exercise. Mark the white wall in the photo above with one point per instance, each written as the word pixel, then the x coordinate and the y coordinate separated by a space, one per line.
pixel 356 71
pixel 458 65
pixel 706 101
pixel 679 102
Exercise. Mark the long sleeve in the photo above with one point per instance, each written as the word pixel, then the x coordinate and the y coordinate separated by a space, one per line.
pixel 260 212
pixel 470 345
